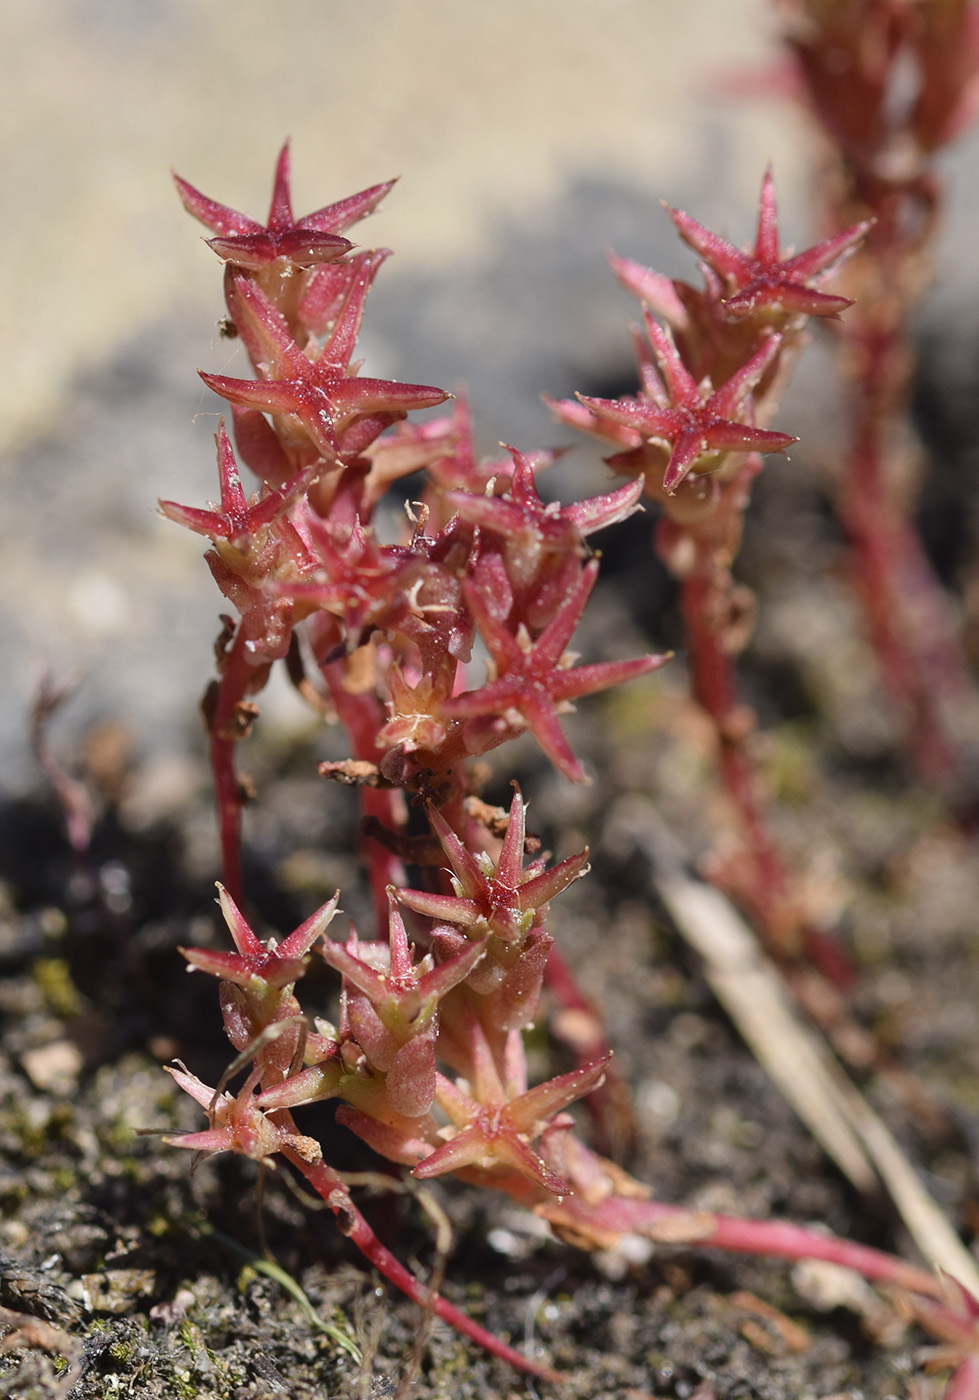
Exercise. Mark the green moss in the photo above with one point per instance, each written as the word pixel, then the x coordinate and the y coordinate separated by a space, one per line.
pixel 53 977
pixel 32 1137
pixel 791 767
pixel 190 1336
pixel 62 1121
pixel 63 1179
pixel 185 1385
pixel 633 710
pixel 116 1136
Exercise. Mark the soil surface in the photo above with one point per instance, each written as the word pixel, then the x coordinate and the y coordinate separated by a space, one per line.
pixel 146 1279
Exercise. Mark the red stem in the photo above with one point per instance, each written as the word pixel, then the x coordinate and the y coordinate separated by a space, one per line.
pixel 714 686
pixel 907 614
pixel 330 1187
pixel 711 673
pixel 906 610
pixel 362 717
pixel 231 690
pixel 610 1105
pixel 777 1238
pixel 964 1384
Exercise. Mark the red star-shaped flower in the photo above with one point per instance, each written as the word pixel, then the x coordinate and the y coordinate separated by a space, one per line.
pixel 494 1126
pixel 240 1123
pixel 535 681
pixel 355 578
pixel 257 995
pixel 315 238
pixel 760 277
pixel 531 550
pixel 256 966
pixel 315 400
pixel 256 547
pixel 404 994
pixel 237 520
pixel 522 515
pixel 391 1008
pixel 500 900
pixel 695 421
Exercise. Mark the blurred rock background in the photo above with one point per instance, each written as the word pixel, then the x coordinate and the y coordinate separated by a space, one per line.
pixel 531 134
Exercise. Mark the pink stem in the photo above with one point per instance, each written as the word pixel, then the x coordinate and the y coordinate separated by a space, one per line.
pixel 906 610
pixel 777 1238
pixel 362 717
pixel 964 1384
pixel 715 689
pixel 907 615
pixel 330 1187
pixel 610 1105
pixel 231 690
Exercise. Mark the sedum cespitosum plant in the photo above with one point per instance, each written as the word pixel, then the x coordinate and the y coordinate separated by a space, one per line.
pixel 428 1060
pixel 710 378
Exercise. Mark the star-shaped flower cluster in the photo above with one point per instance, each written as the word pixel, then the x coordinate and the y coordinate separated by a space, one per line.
pixel 256 548
pixel 464 1006
pixel 531 552
pixel 288 283
pixel 314 238
pixel 427 1060
pixel 241 1122
pixel 493 1129
pixel 762 279
pixel 391 1008
pixel 500 899
pixel 711 378
pixel 487 553
pixel 534 679
pixel 289 1065
pixel 318 404
pixel 259 978
pixel 699 425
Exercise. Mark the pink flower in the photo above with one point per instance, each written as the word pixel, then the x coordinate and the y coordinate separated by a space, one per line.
pixel 535 680
pixel 312 239
pixel 760 278
pixel 697 423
